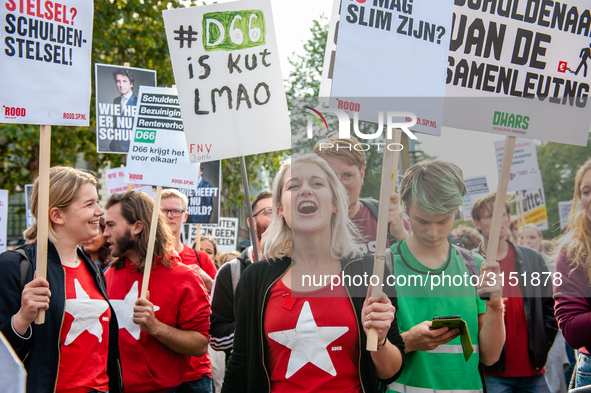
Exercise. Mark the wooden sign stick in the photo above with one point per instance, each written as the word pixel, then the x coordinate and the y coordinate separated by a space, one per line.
pixel 388 185
pixel 499 208
pixel 129 186
pixel 151 238
pixel 43 207
pixel 198 237
pixel 521 212
pixel 253 238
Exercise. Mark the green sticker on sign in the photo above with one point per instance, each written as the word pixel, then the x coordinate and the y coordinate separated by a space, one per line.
pixel 145 136
pixel 233 30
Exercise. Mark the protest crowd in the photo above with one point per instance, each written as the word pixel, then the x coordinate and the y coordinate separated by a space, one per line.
pixel 332 291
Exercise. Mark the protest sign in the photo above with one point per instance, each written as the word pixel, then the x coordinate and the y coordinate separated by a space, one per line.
pixel 158 153
pixel 534 208
pixel 225 234
pixel 476 186
pixel 525 171
pixel 115 183
pixel 29 215
pixel 204 202
pixel 117 89
pixel 563 212
pixel 3 218
pixel 330 51
pixel 404 47
pixel 45 62
pixel 227 71
pixel 13 377
pixel 527 65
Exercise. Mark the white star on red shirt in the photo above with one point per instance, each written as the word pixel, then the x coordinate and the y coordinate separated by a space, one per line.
pixel 308 343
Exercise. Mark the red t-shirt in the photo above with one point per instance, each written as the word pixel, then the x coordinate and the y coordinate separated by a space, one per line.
pixel 84 335
pixel 517 362
pixel 309 347
pixel 180 300
pixel 201 366
pixel 189 258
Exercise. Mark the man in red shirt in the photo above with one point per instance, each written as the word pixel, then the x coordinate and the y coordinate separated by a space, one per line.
pixel 157 335
pixel 529 308
pixel 173 205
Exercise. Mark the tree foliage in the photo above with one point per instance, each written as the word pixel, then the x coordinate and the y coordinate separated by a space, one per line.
pixel 559 164
pixel 123 31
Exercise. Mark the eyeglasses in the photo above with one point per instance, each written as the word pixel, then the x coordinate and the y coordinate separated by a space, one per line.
pixel 348 178
pixel 267 211
pixel 174 212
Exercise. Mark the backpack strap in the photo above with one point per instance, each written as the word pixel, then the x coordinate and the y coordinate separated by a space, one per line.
pixel 373 205
pixel 198 260
pixel 235 270
pixel 469 260
pixel 24 265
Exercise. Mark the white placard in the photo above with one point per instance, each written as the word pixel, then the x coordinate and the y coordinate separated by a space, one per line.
pixel 522 69
pixel 28 192
pixel 225 234
pixel 157 154
pixel 394 49
pixel 563 211
pixel 330 51
pixel 226 67
pixel 475 186
pixel 525 171
pixel 13 377
pixel 534 206
pixel 3 218
pixel 45 62
pixel 115 182
pixel 117 90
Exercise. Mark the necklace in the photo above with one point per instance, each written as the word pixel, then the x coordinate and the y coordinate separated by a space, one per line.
pixel 75 261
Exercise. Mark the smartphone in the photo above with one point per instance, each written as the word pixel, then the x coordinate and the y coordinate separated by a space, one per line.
pixel 450 321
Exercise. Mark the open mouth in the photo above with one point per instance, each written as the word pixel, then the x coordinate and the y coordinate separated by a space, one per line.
pixel 307 207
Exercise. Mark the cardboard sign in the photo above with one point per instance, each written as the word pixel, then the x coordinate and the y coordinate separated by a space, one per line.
pixel 226 67
pixel 520 69
pixel 393 49
pixel 115 182
pixel 28 213
pixel 534 207
pixel 476 186
pixel 563 212
pixel 158 154
pixel 225 234
pixel 3 218
pixel 117 89
pixel 45 62
pixel 525 171
pixel 204 202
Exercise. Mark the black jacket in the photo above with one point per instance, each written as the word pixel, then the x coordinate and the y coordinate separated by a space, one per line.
pixel 538 304
pixel 222 322
pixel 40 353
pixel 246 370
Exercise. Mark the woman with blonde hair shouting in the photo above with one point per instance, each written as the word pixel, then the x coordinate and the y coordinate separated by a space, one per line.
pixel 294 331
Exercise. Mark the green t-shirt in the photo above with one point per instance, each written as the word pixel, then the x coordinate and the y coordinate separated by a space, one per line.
pixel 419 300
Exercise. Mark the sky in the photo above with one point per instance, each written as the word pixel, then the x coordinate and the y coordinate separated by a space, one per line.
pixel 470 150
